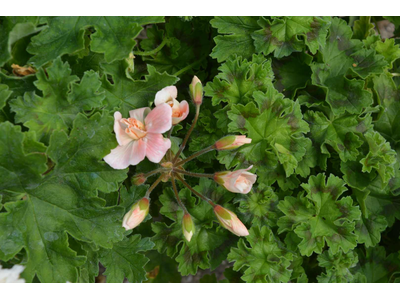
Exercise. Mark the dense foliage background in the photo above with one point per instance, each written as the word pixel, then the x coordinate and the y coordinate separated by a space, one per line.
pixel 318 96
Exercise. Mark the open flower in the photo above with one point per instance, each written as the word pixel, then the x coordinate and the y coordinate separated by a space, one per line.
pixel 230 221
pixel 239 181
pixel 136 214
pixel 179 110
pixel 140 136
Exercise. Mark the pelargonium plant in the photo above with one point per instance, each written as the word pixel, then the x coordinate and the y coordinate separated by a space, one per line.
pixel 278 161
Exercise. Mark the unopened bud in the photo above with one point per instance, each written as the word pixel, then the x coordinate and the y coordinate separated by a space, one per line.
pixel 139 179
pixel 188 227
pixel 231 142
pixel 239 181
pixel 230 221
pixel 196 91
pixel 137 213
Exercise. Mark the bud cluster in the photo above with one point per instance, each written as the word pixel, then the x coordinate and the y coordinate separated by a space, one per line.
pixel 171 167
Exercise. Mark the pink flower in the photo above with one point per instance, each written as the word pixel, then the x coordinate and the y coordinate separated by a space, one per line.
pixel 137 214
pixel 140 136
pixel 179 110
pixel 230 221
pixel 231 142
pixel 239 181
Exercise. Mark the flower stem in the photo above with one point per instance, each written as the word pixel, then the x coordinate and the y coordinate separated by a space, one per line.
pixel 193 174
pixel 152 52
pixel 181 71
pixel 148 174
pixel 153 186
pixel 194 155
pixel 194 191
pixel 177 194
pixel 187 135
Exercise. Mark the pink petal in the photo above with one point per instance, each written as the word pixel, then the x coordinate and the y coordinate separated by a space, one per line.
pixel 156 146
pixel 139 113
pixel 184 109
pixel 129 154
pixel 165 94
pixel 159 120
pixel 119 130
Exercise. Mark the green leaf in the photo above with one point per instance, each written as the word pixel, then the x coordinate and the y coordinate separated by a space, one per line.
pixel 238 79
pixel 265 260
pixel 4 94
pixel 292 73
pixel 11 30
pixel 342 133
pixel 260 208
pixel 363 28
pixel 62 100
pixel 114 36
pixel 323 218
pixel 376 266
pixel 129 94
pixel 389 99
pixel 124 261
pixel 277 130
pixel 380 157
pixel 186 43
pixel 281 36
pixel 338 266
pixel 236 38
pixel 339 55
pixel 78 156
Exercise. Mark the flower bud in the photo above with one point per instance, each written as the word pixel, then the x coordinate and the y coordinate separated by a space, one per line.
pixel 230 221
pixel 239 181
pixel 136 215
pixel 231 142
pixel 196 91
pixel 188 227
pixel 139 179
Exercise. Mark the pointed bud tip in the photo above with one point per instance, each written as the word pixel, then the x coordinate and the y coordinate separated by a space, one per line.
pixel 231 142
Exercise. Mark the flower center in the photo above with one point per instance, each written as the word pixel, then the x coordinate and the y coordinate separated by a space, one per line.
pixel 136 129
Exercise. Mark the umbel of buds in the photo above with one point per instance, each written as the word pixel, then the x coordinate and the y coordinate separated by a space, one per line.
pixel 136 214
pixel 147 133
pixel 187 227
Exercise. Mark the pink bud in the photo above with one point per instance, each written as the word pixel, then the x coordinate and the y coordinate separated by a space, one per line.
pixel 137 214
pixel 196 90
pixel 231 142
pixel 239 181
pixel 188 227
pixel 230 221
pixel 138 179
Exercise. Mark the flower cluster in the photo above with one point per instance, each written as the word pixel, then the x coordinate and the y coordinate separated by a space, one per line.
pixel 141 135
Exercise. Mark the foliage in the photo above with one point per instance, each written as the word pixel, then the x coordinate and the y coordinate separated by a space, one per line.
pixel 318 96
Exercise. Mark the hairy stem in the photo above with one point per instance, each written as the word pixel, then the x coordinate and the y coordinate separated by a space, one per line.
pixel 153 186
pixel 187 135
pixel 177 194
pixel 152 52
pixel 194 191
pixel 193 174
pixel 148 174
pixel 194 155
pixel 187 68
